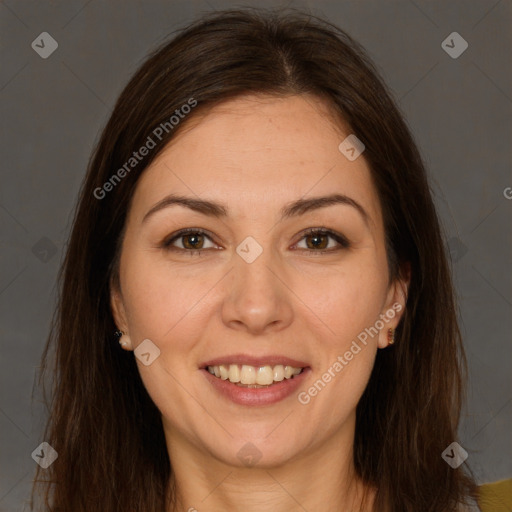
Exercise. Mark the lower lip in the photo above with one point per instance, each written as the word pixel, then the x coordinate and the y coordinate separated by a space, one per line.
pixel 257 396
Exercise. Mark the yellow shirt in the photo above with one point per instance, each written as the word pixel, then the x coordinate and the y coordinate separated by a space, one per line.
pixel 496 496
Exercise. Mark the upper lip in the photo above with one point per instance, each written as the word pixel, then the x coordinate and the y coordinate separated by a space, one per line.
pixel 270 360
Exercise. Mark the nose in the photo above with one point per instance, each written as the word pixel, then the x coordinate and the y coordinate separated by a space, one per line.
pixel 258 299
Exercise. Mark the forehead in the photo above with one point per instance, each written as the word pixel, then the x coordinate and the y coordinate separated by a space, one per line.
pixel 259 151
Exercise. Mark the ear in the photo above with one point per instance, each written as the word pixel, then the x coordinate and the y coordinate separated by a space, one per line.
pixel 394 306
pixel 117 307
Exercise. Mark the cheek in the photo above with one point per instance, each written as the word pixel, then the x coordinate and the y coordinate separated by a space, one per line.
pixel 331 399
pixel 162 300
pixel 347 301
pixel 350 305
pixel 166 306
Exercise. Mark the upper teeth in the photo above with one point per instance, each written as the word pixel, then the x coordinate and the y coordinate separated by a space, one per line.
pixel 245 374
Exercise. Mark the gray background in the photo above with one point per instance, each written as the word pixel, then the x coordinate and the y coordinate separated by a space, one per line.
pixel 52 110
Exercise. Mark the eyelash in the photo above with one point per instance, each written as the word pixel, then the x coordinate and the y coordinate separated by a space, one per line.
pixel 342 241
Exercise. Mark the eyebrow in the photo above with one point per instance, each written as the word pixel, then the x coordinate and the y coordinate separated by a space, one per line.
pixel 293 209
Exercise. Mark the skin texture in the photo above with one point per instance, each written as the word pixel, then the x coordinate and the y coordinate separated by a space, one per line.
pixel 255 155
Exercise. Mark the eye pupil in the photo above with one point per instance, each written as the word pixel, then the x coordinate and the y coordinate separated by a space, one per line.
pixel 317 244
pixel 193 245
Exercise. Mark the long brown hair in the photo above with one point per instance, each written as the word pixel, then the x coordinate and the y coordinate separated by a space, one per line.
pixel 103 424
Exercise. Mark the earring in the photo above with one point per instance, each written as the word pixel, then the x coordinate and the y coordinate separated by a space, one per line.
pixel 391 336
pixel 124 344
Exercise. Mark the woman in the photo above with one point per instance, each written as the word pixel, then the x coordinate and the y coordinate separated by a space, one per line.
pixel 256 228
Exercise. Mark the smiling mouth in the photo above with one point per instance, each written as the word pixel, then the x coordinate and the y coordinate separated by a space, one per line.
pixel 254 376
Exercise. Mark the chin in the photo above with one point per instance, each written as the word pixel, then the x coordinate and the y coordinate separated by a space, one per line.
pixel 259 451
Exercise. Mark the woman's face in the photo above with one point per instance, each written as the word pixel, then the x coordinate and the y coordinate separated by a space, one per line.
pixel 249 290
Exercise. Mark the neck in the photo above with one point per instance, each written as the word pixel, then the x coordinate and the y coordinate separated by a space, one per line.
pixel 322 479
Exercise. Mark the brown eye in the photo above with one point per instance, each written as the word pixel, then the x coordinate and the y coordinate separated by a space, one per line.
pixel 192 241
pixel 317 240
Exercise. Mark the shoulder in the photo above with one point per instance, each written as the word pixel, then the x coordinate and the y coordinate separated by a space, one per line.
pixel 496 496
